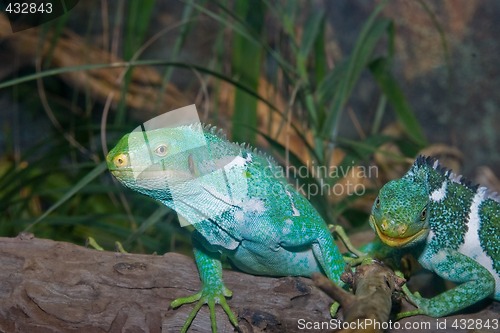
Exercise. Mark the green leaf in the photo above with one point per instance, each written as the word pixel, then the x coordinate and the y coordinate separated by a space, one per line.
pixel 397 99
pixel 185 28
pixel 364 148
pixel 320 61
pixel 312 29
pixel 241 28
pixel 246 62
pixel 328 86
pixel 139 17
pixel 371 33
pixel 138 20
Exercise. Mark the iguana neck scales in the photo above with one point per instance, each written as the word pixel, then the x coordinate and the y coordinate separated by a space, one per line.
pixel 238 202
pixel 451 225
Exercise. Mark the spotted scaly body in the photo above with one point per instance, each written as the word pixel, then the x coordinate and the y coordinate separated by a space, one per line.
pixel 238 202
pixel 450 225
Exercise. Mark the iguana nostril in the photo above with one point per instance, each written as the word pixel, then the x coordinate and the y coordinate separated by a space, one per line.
pixel 402 229
pixel 383 226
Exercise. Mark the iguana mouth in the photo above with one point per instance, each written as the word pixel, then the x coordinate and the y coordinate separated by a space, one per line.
pixel 145 174
pixel 398 241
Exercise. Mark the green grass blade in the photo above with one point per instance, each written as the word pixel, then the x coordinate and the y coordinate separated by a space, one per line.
pixel 99 169
pixel 138 20
pixel 238 25
pixel 312 29
pixel 319 54
pixel 62 70
pixel 178 44
pixel 329 85
pixel 397 99
pixel 355 65
pixel 370 34
pixel 246 63
pixel 154 218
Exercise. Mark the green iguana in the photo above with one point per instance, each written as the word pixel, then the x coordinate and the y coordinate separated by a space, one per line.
pixel 450 225
pixel 238 201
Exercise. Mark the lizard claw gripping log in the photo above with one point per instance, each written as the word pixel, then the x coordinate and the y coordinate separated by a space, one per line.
pixel 238 202
pixel 450 225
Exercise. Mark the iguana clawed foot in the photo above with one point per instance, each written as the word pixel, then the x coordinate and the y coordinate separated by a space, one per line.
pixel 361 257
pixel 209 297
pixel 93 243
pixel 416 300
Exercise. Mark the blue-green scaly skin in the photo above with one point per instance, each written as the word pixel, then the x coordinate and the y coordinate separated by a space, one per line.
pixel 264 227
pixel 451 226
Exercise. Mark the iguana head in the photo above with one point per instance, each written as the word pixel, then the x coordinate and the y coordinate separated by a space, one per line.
pixel 189 168
pixel 400 212
pixel 153 161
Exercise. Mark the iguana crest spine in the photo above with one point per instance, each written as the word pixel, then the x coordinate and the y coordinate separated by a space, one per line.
pixel 221 134
pixel 448 173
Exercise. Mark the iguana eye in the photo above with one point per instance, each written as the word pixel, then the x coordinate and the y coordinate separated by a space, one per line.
pixel 120 160
pixel 161 150
pixel 377 202
pixel 423 214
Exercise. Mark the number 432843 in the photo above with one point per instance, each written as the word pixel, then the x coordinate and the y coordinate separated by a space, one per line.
pixel 28 8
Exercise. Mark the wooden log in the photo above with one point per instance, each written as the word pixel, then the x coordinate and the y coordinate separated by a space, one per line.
pixel 48 286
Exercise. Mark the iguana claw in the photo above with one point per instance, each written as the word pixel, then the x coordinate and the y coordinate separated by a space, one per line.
pixel 334 309
pixel 210 298
pixel 416 300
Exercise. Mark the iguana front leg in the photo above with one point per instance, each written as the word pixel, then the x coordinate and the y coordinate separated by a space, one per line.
pixel 477 284
pixel 212 291
pixel 326 253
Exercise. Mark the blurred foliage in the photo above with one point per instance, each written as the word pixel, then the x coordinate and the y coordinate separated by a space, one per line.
pixel 56 185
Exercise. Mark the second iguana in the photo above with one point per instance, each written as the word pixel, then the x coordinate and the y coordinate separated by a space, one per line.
pixel 450 225
pixel 238 201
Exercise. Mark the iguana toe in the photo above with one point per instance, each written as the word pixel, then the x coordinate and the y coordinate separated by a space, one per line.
pixel 210 298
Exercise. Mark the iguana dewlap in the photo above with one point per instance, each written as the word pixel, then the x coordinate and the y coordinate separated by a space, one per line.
pixel 238 202
pixel 451 226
